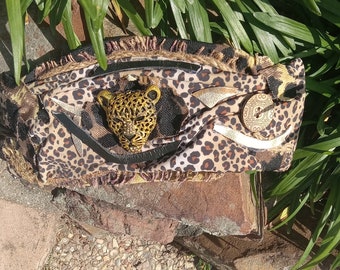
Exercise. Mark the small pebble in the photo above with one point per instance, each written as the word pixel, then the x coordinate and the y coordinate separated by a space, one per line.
pixel 114 243
pixel 114 253
pixel 118 262
pixel 100 241
pixel 64 240
pixel 68 257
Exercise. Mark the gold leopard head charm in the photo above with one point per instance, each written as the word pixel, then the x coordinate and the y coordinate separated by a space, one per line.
pixel 131 116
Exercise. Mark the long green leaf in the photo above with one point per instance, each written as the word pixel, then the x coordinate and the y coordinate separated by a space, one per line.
pixel 199 20
pixel 24 5
pixel 57 12
pixel 332 201
pixel 235 28
pixel 293 29
pixel 336 263
pixel 96 10
pixel 153 13
pixel 96 37
pixel 221 29
pixel 45 7
pixel 298 174
pixel 264 37
pixel 312 6
pixel 137 20
pixel 325 67
pixel 72 39
pixel 293 213
pixel 320 87
pixel 323 146
pixel 333 101
pixel 149 9
pixel 332 238
pixel 179 4
pixel 16 26
pixel 329 5
pixel 265 6
pixel 176 11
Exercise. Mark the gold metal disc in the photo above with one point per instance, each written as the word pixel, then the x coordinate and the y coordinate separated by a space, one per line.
pixel 258 112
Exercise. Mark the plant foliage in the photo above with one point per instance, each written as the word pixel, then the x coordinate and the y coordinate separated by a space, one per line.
pixel 308 29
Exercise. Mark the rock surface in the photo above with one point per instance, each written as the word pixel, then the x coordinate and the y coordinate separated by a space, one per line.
pixel 220 207
pixel 27 236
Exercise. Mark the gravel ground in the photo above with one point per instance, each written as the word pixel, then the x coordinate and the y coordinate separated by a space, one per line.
pixel 77 248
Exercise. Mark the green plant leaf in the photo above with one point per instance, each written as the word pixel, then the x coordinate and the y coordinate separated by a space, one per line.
pixel 292 214
pixel 134 17
pixel 265 6
pixel 57 11
pixel 96 37
pixel 336 263
pixel 320 87
pixel 95 12
pixel 220 28
pixel 325 67
pixel 263 36
pixel 199 20
pixel 293 29
pixel 332 237
pixel 177 12
pixel 24 5
pixel 298 174
pixel 312 6
pixel 72 39
pixel 153 13
pixel 333 101
pixel 180 4
pixel 235 28
pixel 16 26
pixel 323 146
pixel 45 6
pixel 329 5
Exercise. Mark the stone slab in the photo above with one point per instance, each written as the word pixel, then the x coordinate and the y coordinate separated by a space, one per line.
pixel 220 207
pixel 27 236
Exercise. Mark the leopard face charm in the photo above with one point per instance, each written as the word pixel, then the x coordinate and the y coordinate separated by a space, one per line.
pixel 131 116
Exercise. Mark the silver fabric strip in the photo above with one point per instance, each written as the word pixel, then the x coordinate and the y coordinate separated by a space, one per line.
pixel 77 119
pixel 251 142
pixel 214 95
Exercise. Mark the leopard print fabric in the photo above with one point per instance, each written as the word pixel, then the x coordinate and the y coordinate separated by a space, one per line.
pixel 54 153
pixel 131 116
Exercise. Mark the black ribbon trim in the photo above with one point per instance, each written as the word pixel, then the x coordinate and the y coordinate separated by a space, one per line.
pixel 147 64
pixel 108 156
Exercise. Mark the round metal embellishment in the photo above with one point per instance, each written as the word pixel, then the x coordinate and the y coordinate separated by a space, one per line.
pixel 258 112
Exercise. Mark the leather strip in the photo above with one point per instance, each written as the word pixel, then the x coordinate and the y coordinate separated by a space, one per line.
pixel 108 156
pixel 251 142
pixel 145 64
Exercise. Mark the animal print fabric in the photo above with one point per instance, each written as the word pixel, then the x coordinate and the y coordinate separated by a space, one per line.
pixel 55 155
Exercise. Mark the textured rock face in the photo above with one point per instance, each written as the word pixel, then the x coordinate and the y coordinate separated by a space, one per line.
pixel 160 211
pixel 26 236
